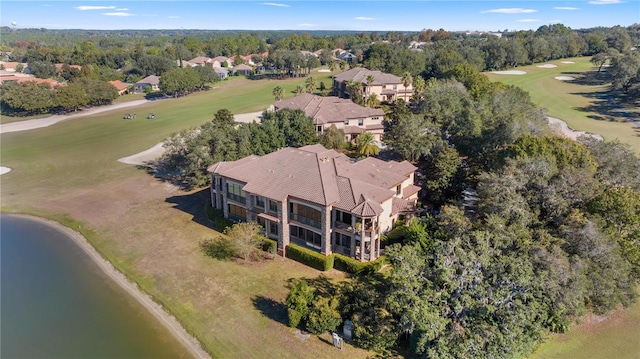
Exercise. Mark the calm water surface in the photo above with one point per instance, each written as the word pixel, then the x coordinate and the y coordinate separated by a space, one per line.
pixel 57 303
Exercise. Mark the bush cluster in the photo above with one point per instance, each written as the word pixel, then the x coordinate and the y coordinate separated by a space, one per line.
pixel 309 257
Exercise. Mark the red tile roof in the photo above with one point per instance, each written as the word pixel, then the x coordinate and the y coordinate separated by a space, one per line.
pixel 328 109
pixel 119 85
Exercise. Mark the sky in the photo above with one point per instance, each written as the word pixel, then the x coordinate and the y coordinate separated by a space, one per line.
pixel 380 15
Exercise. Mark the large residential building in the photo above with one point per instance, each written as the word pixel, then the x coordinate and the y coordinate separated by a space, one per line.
pixel 387 87
pixel 316 198
pixel 352 118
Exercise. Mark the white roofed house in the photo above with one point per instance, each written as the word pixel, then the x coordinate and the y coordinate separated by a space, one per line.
pixel 316 198
pixel 352 118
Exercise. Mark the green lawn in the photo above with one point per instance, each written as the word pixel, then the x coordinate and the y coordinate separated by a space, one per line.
pixel 150 231
pixel 582 103
pixel 616 337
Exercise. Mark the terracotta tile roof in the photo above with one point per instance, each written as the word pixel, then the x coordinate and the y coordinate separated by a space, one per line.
pixel 410 190
pixel 119 85
pixel 10 65
pixel 367 208
pixel 51 82
pixel 349 130
pixel 315 174
pixel 328 109
pixel 242 67
pixel 400 205
pixel 151 79
pixel 360 74
pixel 200 60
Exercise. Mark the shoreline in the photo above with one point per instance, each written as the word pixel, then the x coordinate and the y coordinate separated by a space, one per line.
pixel 165 318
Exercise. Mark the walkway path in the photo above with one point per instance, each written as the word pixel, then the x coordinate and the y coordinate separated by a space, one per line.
pixel 48 121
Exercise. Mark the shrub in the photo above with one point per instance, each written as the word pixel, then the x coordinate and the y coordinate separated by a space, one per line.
pixel 219 248
pixel 309 257
pixel 217 216
pixel 246 239
pixel 353 266
pixel 270 246
pixel 298 300
pixel 323 316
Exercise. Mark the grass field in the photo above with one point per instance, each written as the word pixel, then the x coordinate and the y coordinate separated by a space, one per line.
pixel 583 103
pixel 617 336
pixel 150 230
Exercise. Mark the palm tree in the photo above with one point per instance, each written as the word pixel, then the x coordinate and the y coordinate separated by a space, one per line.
pixel 310 84
pixel 299 90
pixel 419 85
pixel 278 93
pixel 407 79
pixel 366 145
pixel 372 100
pixel 370 80
pixel 332 65
pixel 343 64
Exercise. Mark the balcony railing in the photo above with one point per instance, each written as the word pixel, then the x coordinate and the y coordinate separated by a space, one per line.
pixel 344 226
pixel 305 220
pixel 236 198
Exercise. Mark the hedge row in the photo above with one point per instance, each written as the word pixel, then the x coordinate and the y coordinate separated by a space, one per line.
pixel 312 259
pixel 217 216
pixel 354 266
pixel 338 261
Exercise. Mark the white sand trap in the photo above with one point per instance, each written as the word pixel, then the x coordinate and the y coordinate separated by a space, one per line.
pixel 324 70
pixel 4 170
pixel 547 66
pixel 567 62
pixel 144 157
pixel 510 72
pixel 561 128
pixel 565 78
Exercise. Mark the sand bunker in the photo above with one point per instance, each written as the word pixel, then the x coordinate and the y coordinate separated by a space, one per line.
pixel 4 170
pixel 324 70
pixel 145 157
pixel 547 66
pixel 567 62
pixel 510 72
pixel 565 78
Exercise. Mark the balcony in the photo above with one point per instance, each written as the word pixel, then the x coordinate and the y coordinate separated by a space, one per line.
pixel 237 198
pixel 343 226
pixel 305 220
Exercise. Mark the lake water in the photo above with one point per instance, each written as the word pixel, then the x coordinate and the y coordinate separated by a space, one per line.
pixel 57 303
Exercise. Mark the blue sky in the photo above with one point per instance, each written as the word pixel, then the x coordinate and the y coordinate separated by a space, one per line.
pixel 381 15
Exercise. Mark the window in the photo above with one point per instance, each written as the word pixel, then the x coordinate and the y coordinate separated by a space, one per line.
pixel 343 217
pixel 235 192
pixel 262 223
pixel 237 212
pixel 260 201
pixel 273 228
pixel 395 87
pixel 319 129
pixel 360 122
pixel 305 214
pixel 343 240
pixel 384 86
pixel 346 122
pixel 273 206
pixel 311 238
pixel 398 190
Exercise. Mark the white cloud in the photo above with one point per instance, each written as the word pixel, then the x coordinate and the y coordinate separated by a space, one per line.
pixel 274 4
pixel 528 20
pixel 121 14
pixel 307 25
pixel 91 7
pixel 123 9
pixel 569 8
pixel 364 18
pixel 515 10
pixel 605 2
